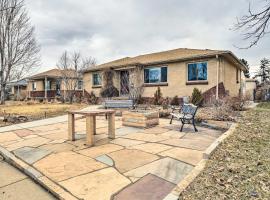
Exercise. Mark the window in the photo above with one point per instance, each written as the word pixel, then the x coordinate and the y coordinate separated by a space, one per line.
pixel 155 75
pixel 197 71
pixel 34 86
pixel 96 79
pixel 48 85
pixel 80 85
pixel 237 76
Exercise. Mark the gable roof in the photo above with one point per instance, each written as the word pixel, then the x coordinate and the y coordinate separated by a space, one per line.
pixel 174 55
pixel 53 73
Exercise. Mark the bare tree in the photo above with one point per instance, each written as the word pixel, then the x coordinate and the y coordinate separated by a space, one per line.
pixel 18 47
pixel 72 67
pixel 254 24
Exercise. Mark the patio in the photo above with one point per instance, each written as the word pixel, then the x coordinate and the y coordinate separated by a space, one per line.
pixel 138 164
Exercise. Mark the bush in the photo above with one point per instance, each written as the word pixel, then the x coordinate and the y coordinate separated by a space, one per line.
pixel 197 97
pixel 165 103
pixel 109 91
pixel 158 97
pixel 175 101
pixel 92 99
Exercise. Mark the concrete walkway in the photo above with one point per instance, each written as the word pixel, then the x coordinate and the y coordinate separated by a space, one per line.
pixel 138 164
pixel 14 185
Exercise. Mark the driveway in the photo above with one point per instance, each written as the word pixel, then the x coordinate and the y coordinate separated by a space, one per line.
pixel 138 164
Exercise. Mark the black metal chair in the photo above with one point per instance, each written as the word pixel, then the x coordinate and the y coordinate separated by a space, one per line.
pixel 186 114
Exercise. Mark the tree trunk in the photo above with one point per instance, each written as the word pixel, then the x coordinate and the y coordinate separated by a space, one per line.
pixel 2 95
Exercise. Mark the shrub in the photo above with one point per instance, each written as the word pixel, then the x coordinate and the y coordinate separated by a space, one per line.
pixel 158 97
pixel 92 99
pixel 197 97
pixel 165 103
pixel 175 101
pixel 109 91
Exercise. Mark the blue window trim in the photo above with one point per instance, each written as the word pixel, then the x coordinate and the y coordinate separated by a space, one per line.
pixel 163 74
pixel 196 78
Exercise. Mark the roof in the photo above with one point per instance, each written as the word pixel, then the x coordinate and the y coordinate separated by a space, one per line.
pixel 53 73
pixel 22 82
pixel 174 55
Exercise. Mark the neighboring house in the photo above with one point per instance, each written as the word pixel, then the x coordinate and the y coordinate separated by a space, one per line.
pixel 176 71
pixel 250 88
pixel 17 89
pixel 53 83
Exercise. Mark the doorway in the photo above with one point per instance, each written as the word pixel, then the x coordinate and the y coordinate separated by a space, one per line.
pixel 124 83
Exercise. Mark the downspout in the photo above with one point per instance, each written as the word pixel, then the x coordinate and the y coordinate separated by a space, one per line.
pixel 217 92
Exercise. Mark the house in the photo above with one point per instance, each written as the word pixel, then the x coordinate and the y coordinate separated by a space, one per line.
pixel 17 89
pixel 250 88
pixel 53 83
pixel 176 72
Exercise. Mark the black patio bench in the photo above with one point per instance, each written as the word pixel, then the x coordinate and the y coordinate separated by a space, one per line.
pixel 186 114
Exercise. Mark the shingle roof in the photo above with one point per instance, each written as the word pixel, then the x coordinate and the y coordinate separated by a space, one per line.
pixel 53 73
pixel 161 57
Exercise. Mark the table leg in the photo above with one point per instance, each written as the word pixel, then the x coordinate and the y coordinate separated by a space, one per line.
pixel 111 128
pixel 71 127
pixel 90 130
pixel 95 121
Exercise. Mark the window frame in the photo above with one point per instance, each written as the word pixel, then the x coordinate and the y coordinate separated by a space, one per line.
pixel 34 86
pixel 197 81
pixel 93 82
pixel 165 83
pixel 78 84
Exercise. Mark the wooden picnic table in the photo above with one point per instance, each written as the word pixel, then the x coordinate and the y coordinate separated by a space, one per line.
pixel 91 124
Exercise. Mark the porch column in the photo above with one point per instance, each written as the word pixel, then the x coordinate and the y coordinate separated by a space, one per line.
pixel 217 77
pixel 45 87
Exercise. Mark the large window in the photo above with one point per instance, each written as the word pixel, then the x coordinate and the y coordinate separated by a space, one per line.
pixel 48 85
pixel 197 71
pixel 96 79
pixel 155 75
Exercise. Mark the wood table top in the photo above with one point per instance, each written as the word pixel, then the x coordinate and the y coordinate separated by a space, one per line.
pixel 92 112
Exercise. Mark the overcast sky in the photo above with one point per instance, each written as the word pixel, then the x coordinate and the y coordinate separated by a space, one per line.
pixel 111 29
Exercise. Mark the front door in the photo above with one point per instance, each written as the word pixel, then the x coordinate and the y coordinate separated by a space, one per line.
pixel 124 83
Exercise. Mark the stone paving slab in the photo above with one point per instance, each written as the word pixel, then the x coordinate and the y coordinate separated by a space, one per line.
pixel 30 154
pixel 155 130
pixel 8 136
pixel 167 168
pixel 105 159
pixel 189 156
pixel 153 148
pixel 57 148
pixel 146 137
pixel 99 185
pixel 100 150
pixel 24 190
pixel 33 142
pixel 9 175
pixel 127 130
pixel 66 165
pixel 128 159
pixel 23 132
pixel 199 145
pixel 149 187
pixel 126 142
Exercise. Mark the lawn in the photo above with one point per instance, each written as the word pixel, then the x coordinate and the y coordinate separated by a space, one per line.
pixel 240 167
pixel 37 110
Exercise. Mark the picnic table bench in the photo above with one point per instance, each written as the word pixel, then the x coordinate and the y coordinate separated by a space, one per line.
pixel 186 114
pixel 91 124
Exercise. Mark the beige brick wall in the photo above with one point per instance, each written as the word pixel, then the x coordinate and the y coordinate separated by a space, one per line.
pixel 177 79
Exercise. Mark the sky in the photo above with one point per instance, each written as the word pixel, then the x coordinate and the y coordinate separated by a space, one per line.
pixel 112 29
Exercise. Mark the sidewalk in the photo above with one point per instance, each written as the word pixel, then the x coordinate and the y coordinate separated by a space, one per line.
pixel 14 185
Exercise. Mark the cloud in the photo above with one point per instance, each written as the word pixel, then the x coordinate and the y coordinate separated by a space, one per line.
pixel 111 29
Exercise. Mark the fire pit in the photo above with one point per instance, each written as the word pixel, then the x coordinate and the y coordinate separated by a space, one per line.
pixel 140 118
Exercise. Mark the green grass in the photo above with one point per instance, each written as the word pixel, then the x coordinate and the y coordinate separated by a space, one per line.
pixel 240 167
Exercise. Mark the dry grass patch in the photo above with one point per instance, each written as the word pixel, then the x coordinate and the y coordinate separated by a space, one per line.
pixel 240 167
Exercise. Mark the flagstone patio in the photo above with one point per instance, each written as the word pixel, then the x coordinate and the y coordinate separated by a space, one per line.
pixel 138 164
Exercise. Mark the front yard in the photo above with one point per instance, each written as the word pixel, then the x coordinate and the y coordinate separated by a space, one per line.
pixel 35 111
pixel 240 167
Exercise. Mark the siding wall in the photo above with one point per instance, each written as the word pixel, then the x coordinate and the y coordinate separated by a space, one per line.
pixel 177 79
